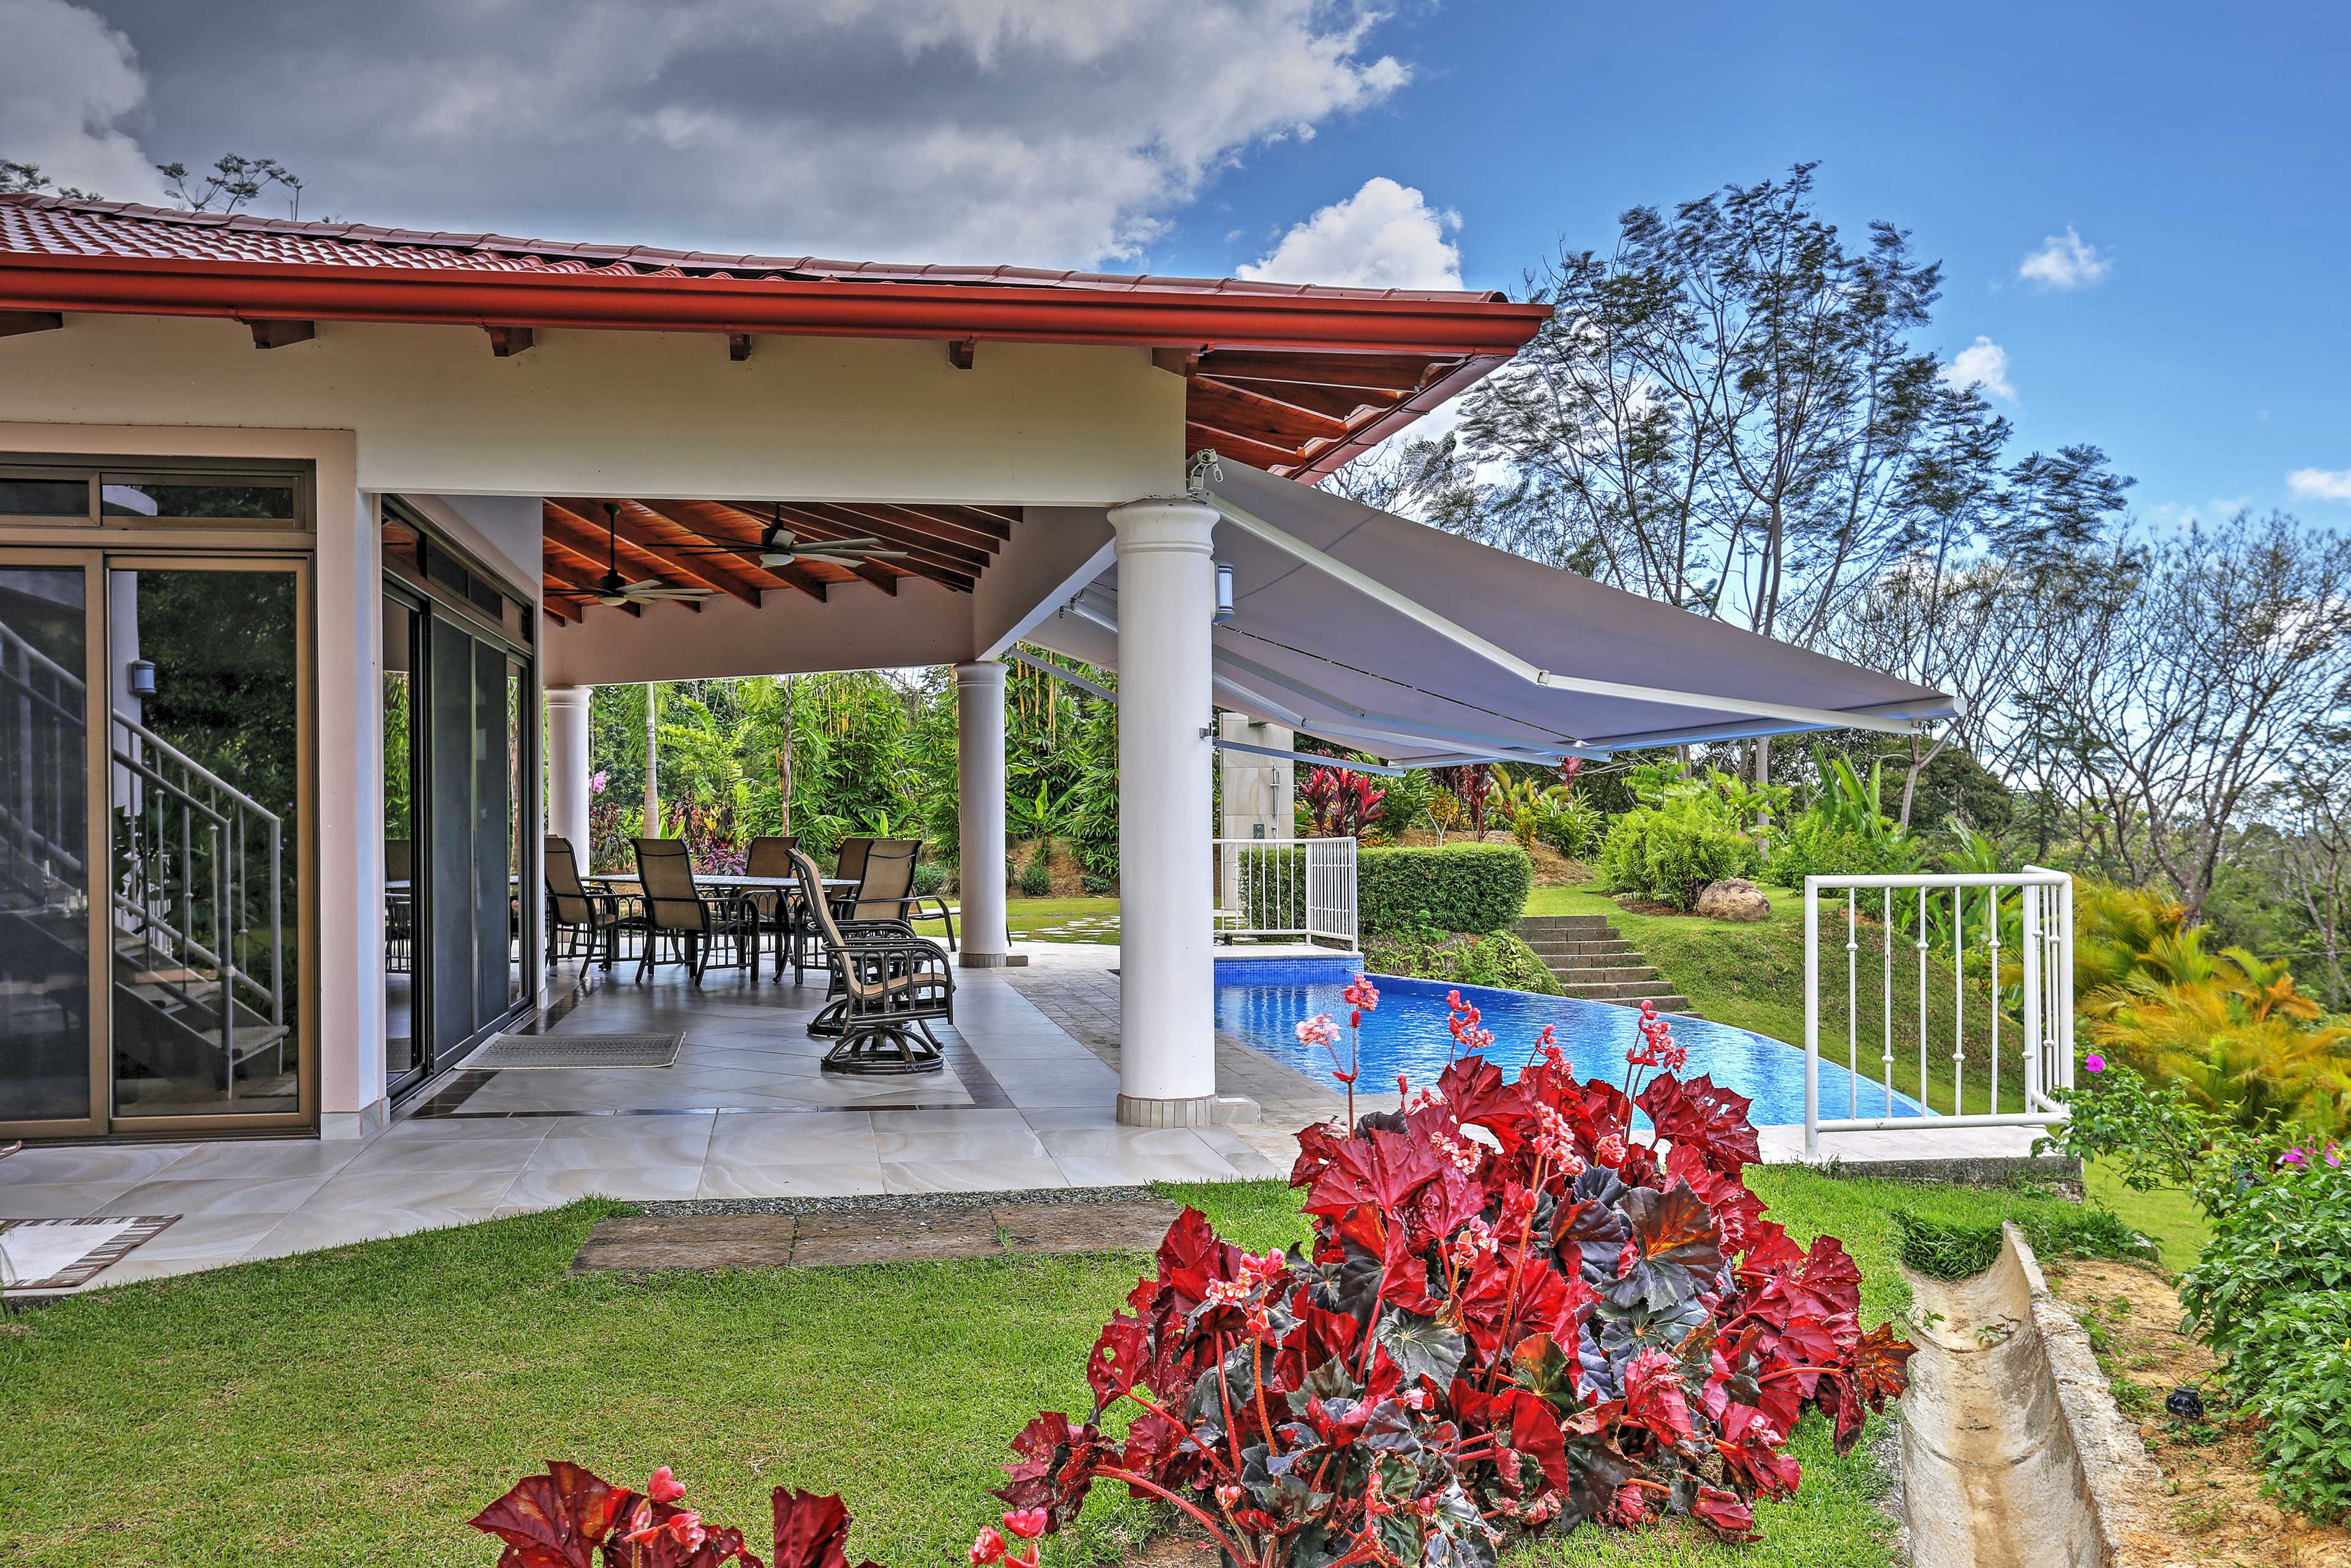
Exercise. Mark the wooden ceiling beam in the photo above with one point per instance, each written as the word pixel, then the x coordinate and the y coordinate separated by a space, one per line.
pixel 1257 454
pixel 922 560
pixel 700 517
pixel 1391 373
pixel 282 334
pixel 853 522
pixel 1339 402
pixel 1212 402
pixel 928 523
pixel 702 571
pixel 16 323
pixel 992 528
pixel 561 611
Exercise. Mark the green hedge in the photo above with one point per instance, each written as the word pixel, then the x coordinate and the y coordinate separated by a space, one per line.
pixel 1458 887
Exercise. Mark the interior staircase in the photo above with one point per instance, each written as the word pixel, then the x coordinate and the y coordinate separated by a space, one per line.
pixel 1591 960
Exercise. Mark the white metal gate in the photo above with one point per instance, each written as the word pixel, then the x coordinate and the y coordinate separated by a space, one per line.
pixel 1940 919
pixel 1304 889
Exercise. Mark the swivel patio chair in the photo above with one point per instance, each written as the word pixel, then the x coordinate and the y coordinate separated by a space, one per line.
pixel 677 908
pixel 576 911
pixel 886 891
pixel 888 986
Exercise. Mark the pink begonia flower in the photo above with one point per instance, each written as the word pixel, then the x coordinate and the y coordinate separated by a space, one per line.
pixel 664 1486
pixel 1320 1029
pixel 1027 1524
pixel 2094 1062
pixel 987 1547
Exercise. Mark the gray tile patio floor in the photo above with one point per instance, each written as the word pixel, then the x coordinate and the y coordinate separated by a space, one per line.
pixel 745 1113
pixel 1026 1103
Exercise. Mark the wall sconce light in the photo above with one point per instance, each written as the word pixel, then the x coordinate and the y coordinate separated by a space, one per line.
pixel 142 677
pixel 1224 595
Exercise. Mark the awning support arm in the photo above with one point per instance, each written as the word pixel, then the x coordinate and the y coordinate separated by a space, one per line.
pixel 1502 658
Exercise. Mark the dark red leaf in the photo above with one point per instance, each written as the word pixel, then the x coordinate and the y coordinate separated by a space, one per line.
pixel 557 1520
pixel 1119 1357
pixel 1704 1117
pixel 1726 1513
pixel 812 1531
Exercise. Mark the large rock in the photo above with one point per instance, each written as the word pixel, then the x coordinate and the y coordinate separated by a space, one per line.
pixel 1735 898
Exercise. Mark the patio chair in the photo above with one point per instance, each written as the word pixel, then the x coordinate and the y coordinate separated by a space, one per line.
pixel 888 986
pixel 851 864
pixel 399 907
pixel 575 910
pixel 886 891
pixel 675 907
pixel 771 855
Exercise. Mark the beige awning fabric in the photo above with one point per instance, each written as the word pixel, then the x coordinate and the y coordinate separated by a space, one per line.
pixel 1390 637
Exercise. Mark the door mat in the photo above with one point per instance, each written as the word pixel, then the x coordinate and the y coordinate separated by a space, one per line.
pixel 59 1254
pixel 506 1052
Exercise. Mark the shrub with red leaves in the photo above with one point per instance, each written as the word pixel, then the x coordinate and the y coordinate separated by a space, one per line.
pixel 1516 1316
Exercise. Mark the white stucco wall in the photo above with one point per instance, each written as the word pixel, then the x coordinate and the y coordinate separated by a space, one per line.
pixel 639 414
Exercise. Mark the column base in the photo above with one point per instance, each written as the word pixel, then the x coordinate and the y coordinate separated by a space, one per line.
pixel 338 1126
pixel 1205 1111
pixel 992 960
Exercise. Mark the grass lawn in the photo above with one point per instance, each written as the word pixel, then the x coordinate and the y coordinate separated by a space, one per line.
pixel 355 1405
pixel 1051 920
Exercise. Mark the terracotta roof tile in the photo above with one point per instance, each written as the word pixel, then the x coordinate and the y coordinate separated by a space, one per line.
pixel 50 226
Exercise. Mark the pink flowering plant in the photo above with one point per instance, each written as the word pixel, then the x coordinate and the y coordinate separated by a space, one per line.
pixel 1518 1313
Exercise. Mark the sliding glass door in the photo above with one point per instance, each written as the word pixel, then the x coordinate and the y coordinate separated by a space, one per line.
pixel 154 822
pixel 460 813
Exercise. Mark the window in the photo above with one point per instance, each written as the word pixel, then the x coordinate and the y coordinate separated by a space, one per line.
pixel 186 493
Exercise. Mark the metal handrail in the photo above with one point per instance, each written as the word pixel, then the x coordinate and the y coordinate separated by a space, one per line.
pixel 2045 912
pixel 1303 888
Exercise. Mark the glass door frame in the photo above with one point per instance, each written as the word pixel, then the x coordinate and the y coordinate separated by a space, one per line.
pixel 99 697
pixel 304 844
pixel 431 598
pixel 99 847
pixel 420 875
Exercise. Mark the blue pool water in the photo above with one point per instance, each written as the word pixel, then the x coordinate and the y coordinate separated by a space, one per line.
pixel 1263 1001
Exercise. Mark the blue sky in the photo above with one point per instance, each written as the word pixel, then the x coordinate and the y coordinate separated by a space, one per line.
pixel 2196 153
pixel 2205 152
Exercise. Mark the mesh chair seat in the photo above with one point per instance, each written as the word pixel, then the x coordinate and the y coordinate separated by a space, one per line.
pixel 675 906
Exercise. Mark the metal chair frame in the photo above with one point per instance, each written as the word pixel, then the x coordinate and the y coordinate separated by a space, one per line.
pixel 888 986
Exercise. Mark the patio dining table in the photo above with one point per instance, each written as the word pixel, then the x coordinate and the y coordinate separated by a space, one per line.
pixel 836 888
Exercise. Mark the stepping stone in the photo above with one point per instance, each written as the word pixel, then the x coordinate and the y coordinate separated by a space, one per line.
pixel 1137 1227
pixel 652 1243
pixel 896 1236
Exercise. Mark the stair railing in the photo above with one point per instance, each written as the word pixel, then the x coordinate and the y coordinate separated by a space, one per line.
pixel 45 726
pixel 1940 920
pixel 185 890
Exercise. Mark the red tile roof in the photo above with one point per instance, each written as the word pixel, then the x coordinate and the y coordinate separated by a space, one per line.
pixel 1292 377
pixel 53 226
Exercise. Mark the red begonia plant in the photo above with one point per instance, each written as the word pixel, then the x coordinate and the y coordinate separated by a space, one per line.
pixel 1517 1314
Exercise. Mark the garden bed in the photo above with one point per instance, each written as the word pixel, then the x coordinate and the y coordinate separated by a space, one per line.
pixel 2209 1507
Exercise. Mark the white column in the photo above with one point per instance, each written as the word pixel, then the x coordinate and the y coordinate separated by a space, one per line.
pixel 979 800
pixel 567 767
pixel 1167 1033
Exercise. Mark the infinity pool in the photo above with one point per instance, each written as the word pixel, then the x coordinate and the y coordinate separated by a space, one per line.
pixel 1263 1001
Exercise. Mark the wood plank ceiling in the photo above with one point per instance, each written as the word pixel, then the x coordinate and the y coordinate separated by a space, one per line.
pixel 716 545
pixel 1274 410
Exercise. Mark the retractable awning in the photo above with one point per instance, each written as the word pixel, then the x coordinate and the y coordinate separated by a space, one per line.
pixel 1388 636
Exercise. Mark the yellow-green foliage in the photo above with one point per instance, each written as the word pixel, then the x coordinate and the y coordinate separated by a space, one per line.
pixel 2228 1025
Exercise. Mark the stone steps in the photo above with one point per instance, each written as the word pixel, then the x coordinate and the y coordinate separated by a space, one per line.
pixel 1593 961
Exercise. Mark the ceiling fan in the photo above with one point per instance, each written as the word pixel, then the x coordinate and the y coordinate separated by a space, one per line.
pixel 780 546
pixel 616 590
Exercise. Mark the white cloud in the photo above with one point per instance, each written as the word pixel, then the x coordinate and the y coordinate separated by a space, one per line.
pixel 2065 261
pixel 2320 484
pixel 1385 235
pixel 1983 364
pixel 1045 131
pixel 2187 514
pixel 66 78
